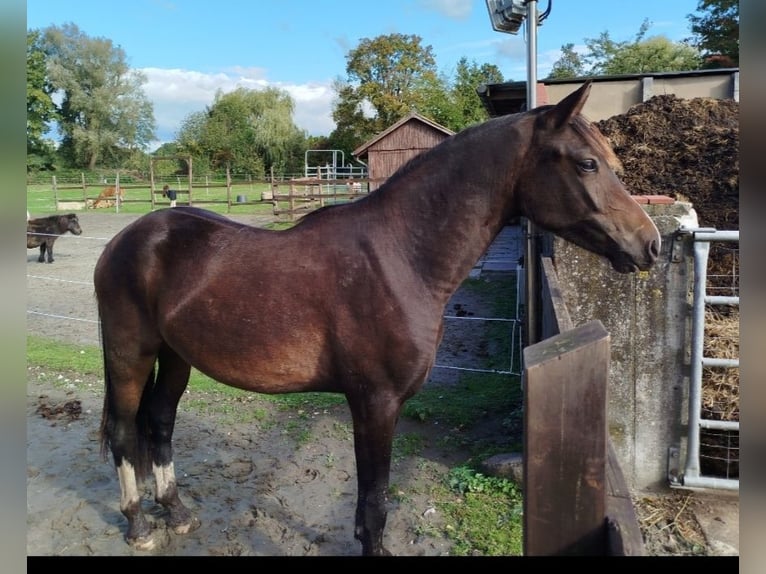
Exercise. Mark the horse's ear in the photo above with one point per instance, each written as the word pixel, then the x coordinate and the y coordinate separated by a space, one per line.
pixel 568 108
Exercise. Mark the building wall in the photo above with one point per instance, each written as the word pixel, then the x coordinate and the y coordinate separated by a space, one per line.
pixel 613 97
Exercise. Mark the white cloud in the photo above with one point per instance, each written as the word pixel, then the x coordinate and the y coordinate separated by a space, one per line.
pixel 313 107
pixel 176 93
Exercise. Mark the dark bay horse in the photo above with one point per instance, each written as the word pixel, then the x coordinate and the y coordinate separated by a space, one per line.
pixel 350 300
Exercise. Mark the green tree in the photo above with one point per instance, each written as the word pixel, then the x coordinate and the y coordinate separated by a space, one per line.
pixel 40 106
pixel 570 65
pixel 716 32
pixel 656 54
pixel 454 102
pixel 468 77
pixel 250 131
pixel 104 113
pixel 387 77
pixel 605 56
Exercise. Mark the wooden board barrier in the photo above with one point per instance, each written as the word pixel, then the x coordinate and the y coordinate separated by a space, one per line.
pixel 565 443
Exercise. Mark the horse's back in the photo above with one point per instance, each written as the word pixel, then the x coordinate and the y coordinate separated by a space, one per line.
pixel 43 229
pixel 166 242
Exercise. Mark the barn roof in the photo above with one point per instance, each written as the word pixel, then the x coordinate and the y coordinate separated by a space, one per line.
pixel 362 149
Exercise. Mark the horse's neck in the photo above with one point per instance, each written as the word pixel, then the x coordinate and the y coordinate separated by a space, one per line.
pixel 450 209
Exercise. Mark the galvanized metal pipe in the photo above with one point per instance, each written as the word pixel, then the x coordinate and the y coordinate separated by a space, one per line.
pixel 530 249
pixel 691 477
pixel 701 252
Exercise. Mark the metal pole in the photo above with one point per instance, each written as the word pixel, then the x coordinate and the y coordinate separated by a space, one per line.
pixel 530 251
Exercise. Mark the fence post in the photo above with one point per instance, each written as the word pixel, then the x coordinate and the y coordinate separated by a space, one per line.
pixel 565 443
pixel 228 188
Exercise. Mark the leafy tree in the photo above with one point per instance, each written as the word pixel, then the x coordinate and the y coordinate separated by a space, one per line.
pixel 104 112
pixel 656 54
pixel 453 102
pixel 389 77
pixel 605 56
pixel 716 32
pixel 386 80
pixel 40 106
pixel 250 131
pixel 570 65
pixel 468 77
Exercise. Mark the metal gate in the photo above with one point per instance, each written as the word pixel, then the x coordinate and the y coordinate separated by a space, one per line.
pixel 727 431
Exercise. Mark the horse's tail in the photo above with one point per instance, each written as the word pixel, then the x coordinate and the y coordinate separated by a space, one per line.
pixel 142 462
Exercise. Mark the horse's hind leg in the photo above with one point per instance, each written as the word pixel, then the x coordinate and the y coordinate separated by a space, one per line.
pixel 172 378
pixel 41 258
pixel 124 431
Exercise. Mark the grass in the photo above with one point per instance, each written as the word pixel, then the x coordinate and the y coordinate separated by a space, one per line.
pixel 481 514
pixel 487 519
pixel 42 198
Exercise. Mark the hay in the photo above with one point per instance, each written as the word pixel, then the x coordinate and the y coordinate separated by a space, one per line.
pixel 669 525
pixel 720 386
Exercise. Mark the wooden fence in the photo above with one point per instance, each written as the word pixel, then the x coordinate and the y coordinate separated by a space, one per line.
pixel 297 197
pixel 291 198
pixel 576 501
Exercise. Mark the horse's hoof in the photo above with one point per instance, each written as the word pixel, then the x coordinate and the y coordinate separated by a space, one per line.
pixel 380 551
pixel 155 540
pixel 187 527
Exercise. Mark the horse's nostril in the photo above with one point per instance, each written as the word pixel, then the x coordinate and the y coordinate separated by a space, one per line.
pixel 654 249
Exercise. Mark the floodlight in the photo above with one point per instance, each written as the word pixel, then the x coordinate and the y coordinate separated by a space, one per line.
pixel 507 15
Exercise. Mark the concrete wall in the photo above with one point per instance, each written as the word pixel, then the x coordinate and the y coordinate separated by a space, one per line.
pixel 612 96
pixel 647 315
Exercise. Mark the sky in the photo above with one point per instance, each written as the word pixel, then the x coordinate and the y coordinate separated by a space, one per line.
pixel 189 49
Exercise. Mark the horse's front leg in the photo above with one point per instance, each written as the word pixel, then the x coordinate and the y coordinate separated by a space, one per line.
pixel 373 438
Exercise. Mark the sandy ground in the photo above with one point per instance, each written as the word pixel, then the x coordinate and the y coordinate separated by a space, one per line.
pixel 256 488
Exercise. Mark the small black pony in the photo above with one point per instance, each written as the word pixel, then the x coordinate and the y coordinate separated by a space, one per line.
pixel 351 300
pixel 43 232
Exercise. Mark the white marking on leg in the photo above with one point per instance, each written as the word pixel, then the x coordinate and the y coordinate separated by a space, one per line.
pixel 164 476
pixel 128 486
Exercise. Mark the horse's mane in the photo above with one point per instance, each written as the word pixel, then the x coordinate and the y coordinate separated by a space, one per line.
pixel 580 124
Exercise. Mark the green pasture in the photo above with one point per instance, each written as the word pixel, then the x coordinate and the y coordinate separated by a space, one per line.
pixel 47 199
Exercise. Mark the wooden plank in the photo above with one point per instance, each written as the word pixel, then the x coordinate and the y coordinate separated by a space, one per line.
pixel 565 443
pixel 555 314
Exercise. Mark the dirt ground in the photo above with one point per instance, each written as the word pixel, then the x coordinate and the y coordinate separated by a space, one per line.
pixel 256 489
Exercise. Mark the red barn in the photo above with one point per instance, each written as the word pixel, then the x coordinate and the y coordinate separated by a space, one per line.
pixel 394 147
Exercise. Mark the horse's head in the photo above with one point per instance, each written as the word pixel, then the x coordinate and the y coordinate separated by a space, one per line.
pixel 73 224
pixel 569 187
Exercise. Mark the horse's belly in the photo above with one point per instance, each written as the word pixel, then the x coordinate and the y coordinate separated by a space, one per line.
pixel 264 368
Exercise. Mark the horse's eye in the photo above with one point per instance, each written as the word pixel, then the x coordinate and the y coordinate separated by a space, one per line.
pixel 587 165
